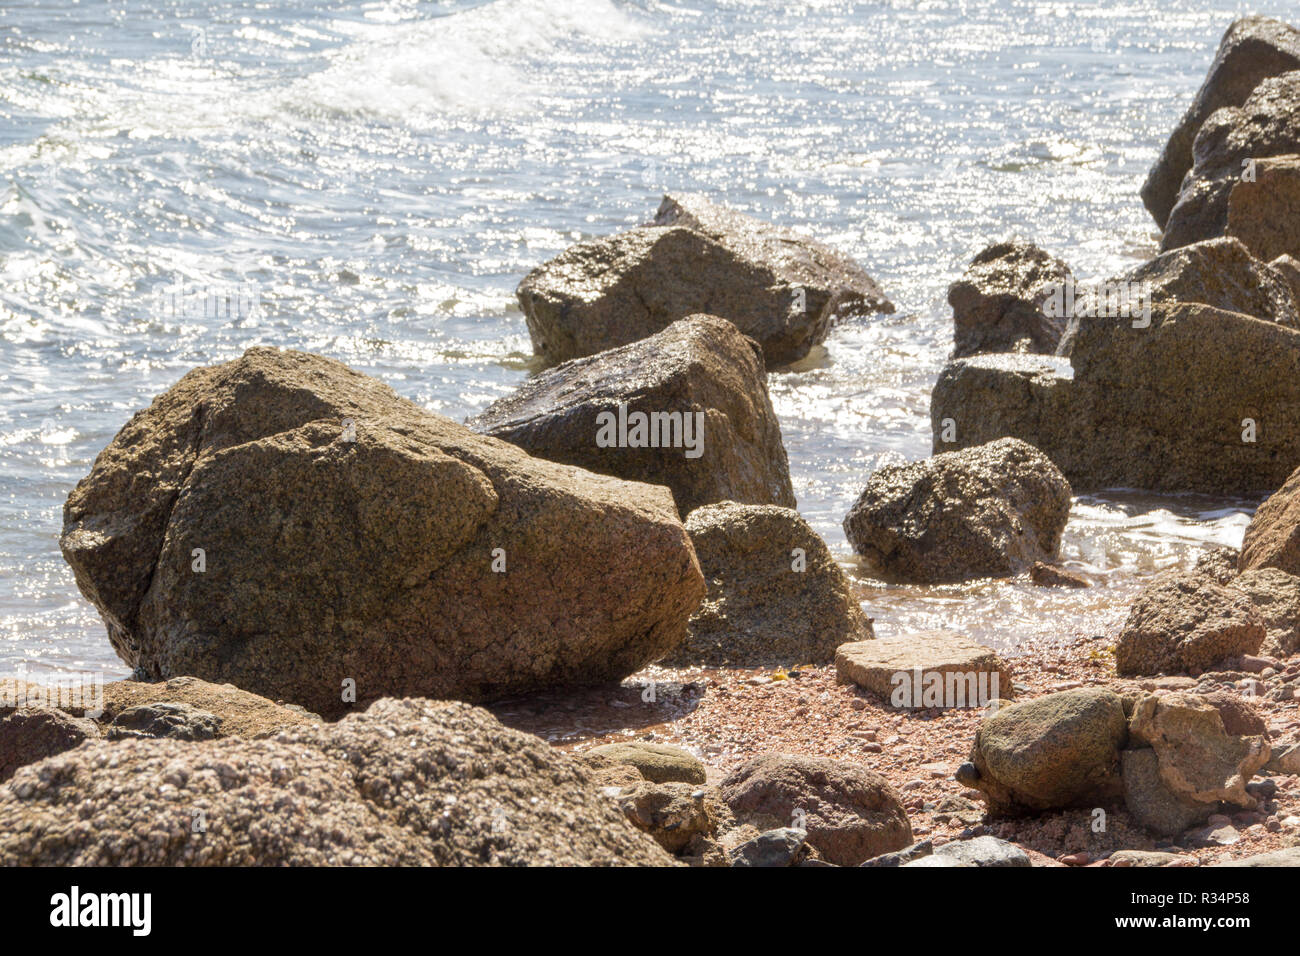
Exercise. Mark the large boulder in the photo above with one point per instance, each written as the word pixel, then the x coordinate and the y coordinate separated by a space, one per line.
pixel 1272 538
pixel 998 304
pixel 1049 753
pixel 850 813
pixel 686 407
pixel 990 511
pixel 1252 49
pixel 288 525
pixel 780 287
pixel 775 597
pixel 1264 209
pixel 1184 623
pixel 1276 596
pixel 405 783
pixel 1266 124
pixel 1198 400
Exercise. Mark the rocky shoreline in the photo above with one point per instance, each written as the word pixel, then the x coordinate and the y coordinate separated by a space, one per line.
pixel 590 627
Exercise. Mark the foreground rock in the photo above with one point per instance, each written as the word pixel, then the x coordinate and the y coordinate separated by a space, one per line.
pixel 1185 623
pixel 687 408
pixel 1049 753
pixel 1252 49
pixel 926 669
pixel 850 813
pixel 998 304
pixel 383 788
pixel 990 511
pixel 781 288
pixel 233 532
pixel 775 597
pixel 1200 400
pixel 1266 124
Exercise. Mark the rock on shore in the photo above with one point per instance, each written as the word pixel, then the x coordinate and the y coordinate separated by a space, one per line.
pixel 700 389
pixel 990 511
pixel 285 524
pixel 778 286
pixel 998 304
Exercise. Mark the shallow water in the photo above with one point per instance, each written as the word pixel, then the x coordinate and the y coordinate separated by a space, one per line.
pixel 373 179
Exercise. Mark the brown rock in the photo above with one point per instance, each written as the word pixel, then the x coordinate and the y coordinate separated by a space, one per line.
pixel 29 734
pixel 1053 576
pixel 1276 596
pixel 911 670
pixel 998 304
pixel 850 813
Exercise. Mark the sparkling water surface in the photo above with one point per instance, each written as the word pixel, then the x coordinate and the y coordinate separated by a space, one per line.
pixel 377 177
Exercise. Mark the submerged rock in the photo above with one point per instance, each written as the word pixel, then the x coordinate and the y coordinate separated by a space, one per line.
pixel 775 597
pixel 779 287
pixel 288 525
pixel 990 511
pixel 687 408
pixel 998 304
pixel 387 787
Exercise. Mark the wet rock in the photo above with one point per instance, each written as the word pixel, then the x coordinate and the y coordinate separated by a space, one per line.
pixel 850 813
pixel 990 511
pixel 1252 49
pixel 384 787
pixel 784 846
pixel 167 719
pixel 1264 125
pixel 775 597
pixel 1052 752
pixel 781 288
pixel 1197 758
pixel 1052 576
pixel 658 763
pixel 1186 622
pixel 687 408
pixel 367 565
pixel 1200 400
pixel 925 669
pixel 29 734
pixel 1152 802
pixel 984 851
pixel 998 304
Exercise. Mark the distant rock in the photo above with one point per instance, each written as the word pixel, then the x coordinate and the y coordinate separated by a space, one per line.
pixel 850 813
pixel 658 763
pixel 687 408
pixel 1252 49
pixel 1185 623
pixel 29 734
pixel 1266 124
pixel 1198 400
pixel 1053 752
pixel 1276 596
pixel 387 787
pixel 780 287
pixel 353 543
pixel 926 669
pixel 990 511
pixel 998 304
pixel 775 597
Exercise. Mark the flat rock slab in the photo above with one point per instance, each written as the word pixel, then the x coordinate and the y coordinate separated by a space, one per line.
pixel 907 669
